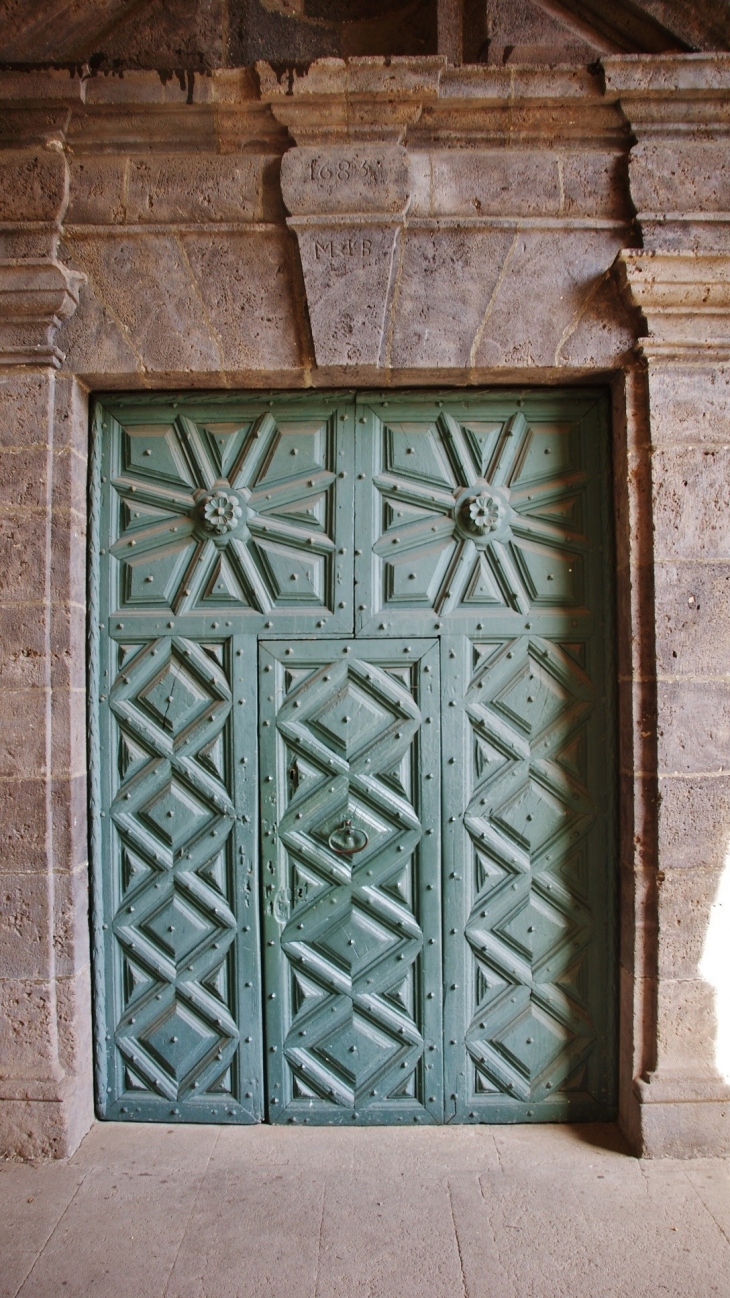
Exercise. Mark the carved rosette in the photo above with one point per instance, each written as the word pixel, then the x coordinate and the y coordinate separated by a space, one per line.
pixel 221 512
pixel 482 514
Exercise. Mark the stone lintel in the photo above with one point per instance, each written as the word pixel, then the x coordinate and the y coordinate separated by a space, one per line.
pixel 36 295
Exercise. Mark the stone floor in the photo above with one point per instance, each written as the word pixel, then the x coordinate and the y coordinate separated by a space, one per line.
pixel 267 1212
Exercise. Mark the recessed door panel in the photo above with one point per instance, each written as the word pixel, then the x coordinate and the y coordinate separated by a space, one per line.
pixel 474 510
pixel 528 1005
pixel 177 895
pixel 351 813
pixel 232 508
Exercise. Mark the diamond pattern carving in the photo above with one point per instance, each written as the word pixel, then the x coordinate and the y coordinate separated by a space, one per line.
pixel 528 813
pixel 353 1039
pixel 173 816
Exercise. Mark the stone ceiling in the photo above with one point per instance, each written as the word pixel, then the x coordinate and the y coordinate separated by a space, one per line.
pixel 174 35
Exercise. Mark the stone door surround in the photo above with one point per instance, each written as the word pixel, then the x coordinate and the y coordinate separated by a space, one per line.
pixel 378 223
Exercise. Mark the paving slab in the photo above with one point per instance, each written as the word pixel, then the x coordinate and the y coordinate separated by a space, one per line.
pixel 269 1212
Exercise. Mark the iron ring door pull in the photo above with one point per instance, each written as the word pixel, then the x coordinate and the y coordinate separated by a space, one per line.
pixel 346 841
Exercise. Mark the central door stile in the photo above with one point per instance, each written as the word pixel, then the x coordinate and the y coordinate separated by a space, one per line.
pixel 350 762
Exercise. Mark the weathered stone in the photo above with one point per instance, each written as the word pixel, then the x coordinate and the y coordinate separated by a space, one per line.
pixel 24 837
pixel 685 900
pixel 69 810
pixel 604 332
pixel 685 298
pixel 517 331
pixel 694 726
pixel 687 1026
pixel 690 403
pixel 22 646
pixel 691 502
pixel 181 188
pixel 166 323
pixel 32 185
pixel 23 724
pixel 245 286
pixel 25 408
pixel 430 326
pixel 70 922
pixel 669 177
pixel 527 182
pixel 27 1047
pixel 97 190
pixel 692 617
pixel 671 1129
pixel 96 342
pixel 694 822
pixel 25 926
pixel 347 270
pixel 68 732
pixel 36 294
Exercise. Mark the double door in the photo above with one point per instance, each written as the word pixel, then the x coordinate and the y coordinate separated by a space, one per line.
pixel 352 757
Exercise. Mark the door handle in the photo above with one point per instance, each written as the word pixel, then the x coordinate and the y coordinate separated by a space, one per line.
pixel 346 841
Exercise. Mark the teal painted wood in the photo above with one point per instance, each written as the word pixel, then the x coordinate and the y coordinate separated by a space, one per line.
pixel 481 520
pixel 351 813
pixel 451 533
pixel 529 790
pixel 212 518
pixel 232 507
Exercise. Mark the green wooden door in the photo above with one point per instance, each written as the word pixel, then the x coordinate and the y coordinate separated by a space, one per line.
pixel 409 597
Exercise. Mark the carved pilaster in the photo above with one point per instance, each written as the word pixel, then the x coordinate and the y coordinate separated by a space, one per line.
pixel 684 297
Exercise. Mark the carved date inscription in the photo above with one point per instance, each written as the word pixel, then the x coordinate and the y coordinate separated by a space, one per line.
pixel 345 179
pixel 345 170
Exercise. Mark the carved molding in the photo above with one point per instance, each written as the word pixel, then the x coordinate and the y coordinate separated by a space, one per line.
pixel 36 296
pixel 684 298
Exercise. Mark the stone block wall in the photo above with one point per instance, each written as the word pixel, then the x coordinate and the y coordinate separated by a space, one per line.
pixel 373 223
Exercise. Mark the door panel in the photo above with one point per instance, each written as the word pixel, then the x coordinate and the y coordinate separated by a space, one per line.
pixel 351 846
pixel 467 536
pixel 527 904
pixel 472 509
pixel 233 508
pixel 179 931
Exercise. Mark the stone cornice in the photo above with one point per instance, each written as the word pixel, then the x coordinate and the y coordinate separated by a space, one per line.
pixel 684 298
pixel 656 76
pixel 36 295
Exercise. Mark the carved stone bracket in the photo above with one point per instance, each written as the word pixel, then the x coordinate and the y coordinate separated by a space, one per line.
pixel 685 300
pixel 36 295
